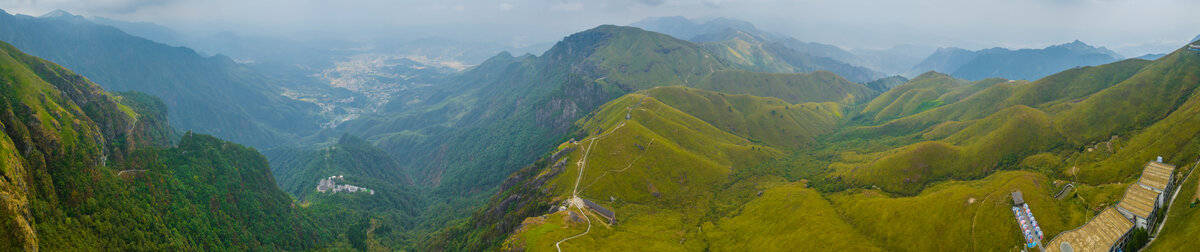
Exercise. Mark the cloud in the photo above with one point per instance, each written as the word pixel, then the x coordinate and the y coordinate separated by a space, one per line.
pixel 572 6
pixel 506 7
pixel 118 7
pixel 652 2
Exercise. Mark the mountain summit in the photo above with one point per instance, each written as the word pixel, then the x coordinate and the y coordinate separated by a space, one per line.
pixel 57 14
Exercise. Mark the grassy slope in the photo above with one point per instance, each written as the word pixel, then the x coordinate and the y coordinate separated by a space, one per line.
pixel 770 223
pixel 750 52
pixel 997 135
pixel 819 86
pixel 971 152
pixel 748 55
pixel 909 98
pixel 943 216
pixel 688 156
pixel 766 120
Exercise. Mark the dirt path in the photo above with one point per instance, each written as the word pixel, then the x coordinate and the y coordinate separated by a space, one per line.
pixel 124 171
pixel 589 229
pixel 575 201
pixel 622 170
pixel 975 217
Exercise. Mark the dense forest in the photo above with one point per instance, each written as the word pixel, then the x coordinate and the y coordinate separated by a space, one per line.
pixel 89 170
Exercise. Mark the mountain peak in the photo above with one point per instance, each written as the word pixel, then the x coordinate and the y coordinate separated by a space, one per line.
pixel 1074 45
pixel 930 75
pixel 58 13
pixel 1081 47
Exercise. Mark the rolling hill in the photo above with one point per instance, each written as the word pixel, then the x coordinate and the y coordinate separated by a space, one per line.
pixel 659 165
pixel 926 165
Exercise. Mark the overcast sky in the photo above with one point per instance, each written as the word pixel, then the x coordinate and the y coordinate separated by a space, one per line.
pixel 1128 26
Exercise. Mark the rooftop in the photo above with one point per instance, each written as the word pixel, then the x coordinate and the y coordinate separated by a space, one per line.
pixel 1157 175
pixel 1138 200
pixel 1099 234
pixel 1017 198
pixel 599 209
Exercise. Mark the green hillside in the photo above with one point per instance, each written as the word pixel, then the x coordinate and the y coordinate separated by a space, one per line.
pixel 751 51
pixel 655 167
pixel 919 94
pixel 758 119
pixel 210 95
pixel 389 209
pixel 85 170
pixel 925 166
pixel 468 134
pixel 819 86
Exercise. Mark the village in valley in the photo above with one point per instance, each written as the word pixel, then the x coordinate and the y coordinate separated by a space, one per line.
pixel 330 186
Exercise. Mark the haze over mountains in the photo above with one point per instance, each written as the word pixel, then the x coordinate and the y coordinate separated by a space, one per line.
pixel 223 98
pixel 675 134
pixel 1023 64
pixel 740 42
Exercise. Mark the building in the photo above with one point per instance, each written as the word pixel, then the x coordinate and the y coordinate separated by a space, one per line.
pixel 328 185
pixel 1158 176
pixel 1018 199
pixel 1145 198
pixel 600 210
pixel 325 185
pixel 1139 205
pixel 1108 231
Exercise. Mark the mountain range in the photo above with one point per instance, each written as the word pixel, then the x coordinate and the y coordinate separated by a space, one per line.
pixel 748 48
pixel 1022 64
pixel 85 169
pixel 615 138
pixel 950 148
pixel 222 97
